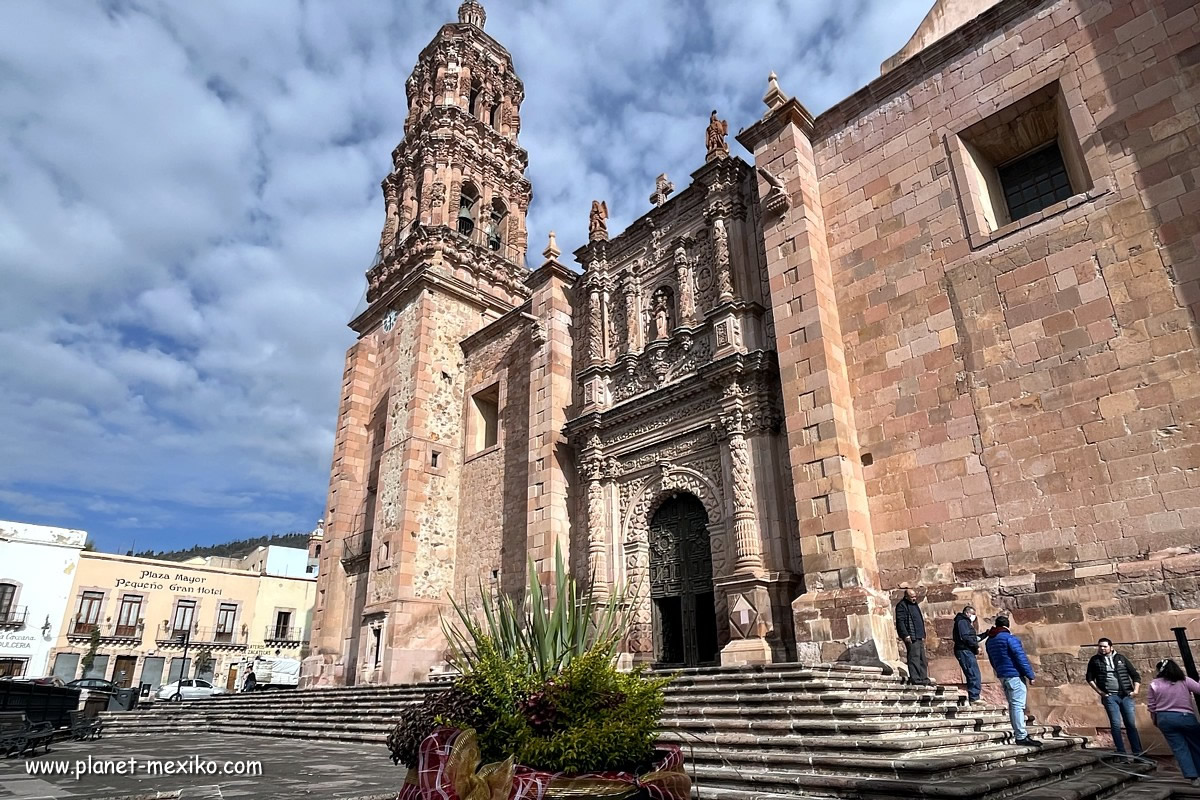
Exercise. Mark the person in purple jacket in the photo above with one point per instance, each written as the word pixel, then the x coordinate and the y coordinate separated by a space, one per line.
pixel 1012 667
pixel 1170 705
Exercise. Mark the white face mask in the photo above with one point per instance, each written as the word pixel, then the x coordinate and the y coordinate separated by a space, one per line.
pixel 971 617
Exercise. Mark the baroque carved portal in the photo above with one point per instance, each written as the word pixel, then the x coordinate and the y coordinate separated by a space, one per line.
pixel 681 584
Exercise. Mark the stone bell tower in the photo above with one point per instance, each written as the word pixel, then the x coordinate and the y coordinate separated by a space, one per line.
pixel 451 259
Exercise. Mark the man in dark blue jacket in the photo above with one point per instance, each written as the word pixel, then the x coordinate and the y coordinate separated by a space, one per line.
pixel 1012 667
pixel 910 627
pixel 966 648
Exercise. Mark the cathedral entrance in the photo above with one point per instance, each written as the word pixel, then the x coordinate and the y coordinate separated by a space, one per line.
pixel 681 584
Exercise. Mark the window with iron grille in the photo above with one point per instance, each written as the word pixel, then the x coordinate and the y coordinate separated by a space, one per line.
pixel 88 616
pixel 1035 181
pixel 8 592
pixel 130 613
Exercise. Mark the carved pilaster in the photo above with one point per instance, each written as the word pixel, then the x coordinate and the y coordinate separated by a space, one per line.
pixel 721 256
pixel 633 316
pixel 732 426
pixel 594 334
pixel 687 293
pixel 594 472
pixel 391 222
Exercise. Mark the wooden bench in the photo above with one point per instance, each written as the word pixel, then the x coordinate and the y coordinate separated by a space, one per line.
pixel 18 735
pixel 84 727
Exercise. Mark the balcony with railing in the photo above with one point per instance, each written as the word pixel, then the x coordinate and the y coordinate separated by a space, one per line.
pixel 276 634
pixel 81 630
pixel 483 249
pixel 13 616
pixel 356 549
pixel 209 637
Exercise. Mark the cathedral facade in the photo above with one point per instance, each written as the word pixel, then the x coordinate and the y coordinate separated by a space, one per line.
pixel 942 335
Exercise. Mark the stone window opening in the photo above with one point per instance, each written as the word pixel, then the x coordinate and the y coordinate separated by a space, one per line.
pixel 376 646
pixel 468 202
pixel 485 418
pixel 497 224
pixel 433 458
pixel 1019 164
pixel 494 115
pixel 473 98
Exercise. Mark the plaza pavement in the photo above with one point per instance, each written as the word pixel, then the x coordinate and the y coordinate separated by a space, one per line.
pixel 290 768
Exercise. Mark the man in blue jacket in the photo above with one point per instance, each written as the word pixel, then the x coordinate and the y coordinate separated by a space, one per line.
pixel 1012 667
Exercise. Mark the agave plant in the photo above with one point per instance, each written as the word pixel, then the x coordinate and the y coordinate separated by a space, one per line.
pixel 543 633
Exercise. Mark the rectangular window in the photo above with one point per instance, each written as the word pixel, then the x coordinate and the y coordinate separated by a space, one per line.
pixel 66 666
pixel 129 615
pixel 377 635
pixel 8 593
pixel 226 615
pixel 185 612
pixel 88 616
pixel 12 667
pixel 1016 163
pixel 485 421
pixel 99 668
pixel 283 621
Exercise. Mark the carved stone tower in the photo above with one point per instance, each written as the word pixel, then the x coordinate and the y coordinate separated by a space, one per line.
pixel 450 262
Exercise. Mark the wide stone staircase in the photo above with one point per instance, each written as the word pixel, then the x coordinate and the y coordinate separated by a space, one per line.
pixel 775 732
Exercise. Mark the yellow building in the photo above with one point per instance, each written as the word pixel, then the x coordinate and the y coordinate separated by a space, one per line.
pixel 140 611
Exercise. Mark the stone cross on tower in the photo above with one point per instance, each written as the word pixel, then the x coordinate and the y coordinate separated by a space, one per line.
pixel 662 190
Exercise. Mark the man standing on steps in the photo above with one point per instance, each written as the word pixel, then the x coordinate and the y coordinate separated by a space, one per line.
pixel 910 627
pixel 1113 677
pixel 1012 667
pixel 966 650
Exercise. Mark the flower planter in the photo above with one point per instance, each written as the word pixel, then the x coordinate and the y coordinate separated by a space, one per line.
pixel 449 769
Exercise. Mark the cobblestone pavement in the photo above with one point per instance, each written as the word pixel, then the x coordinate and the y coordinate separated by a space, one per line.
pixel 290 768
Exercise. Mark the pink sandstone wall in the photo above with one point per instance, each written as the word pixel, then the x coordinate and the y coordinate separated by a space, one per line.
pixel 1031 405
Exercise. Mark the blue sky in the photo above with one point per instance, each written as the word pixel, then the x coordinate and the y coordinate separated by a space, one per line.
pixel 189 196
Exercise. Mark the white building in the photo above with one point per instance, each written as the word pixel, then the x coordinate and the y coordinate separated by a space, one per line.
pixel 37 569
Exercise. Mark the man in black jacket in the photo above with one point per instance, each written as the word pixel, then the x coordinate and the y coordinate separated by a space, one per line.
pixel 910 627
pixel 1113 677
pixel 966 648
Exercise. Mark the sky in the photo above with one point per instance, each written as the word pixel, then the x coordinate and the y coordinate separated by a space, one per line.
pixel 189 197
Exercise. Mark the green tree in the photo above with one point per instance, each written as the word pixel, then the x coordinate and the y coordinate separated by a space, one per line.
pixel 89 657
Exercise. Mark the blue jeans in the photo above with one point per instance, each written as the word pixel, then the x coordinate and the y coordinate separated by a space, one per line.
pixel 1182 732
pixel 970 670
pixel 1015 693
pixel 1121 708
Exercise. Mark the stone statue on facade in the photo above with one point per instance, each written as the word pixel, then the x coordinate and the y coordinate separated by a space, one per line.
pixel 598 222
pixel 660 308
pixel 718 129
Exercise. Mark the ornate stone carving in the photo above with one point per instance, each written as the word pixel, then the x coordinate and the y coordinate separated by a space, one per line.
pixel 687 293
pixel 598 222
pixel 662 190
pixel 594 335
pixel 721 256
pixel 718 129
pixel 391 222
pixel 675 450
pixel 633 328
pixel 775 201
pixel 661 307
pixel 437 194
pixel 682 356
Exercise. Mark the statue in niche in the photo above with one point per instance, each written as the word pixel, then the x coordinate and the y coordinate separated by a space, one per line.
pixel 660 311
pixel 598 222
pixel 718 129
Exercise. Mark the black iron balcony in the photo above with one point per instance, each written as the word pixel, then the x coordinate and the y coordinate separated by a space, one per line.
pixel 277 634
pixel 82 631
pixel 13 616
pixel 356 548
pixel 216 637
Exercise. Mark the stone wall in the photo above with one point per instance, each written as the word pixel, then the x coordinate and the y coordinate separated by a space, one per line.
pixel 1029 399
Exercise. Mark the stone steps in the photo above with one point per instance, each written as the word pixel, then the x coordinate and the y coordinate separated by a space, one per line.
pixel 786 731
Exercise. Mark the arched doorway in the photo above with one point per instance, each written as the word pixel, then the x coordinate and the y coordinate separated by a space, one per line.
pixel 681 584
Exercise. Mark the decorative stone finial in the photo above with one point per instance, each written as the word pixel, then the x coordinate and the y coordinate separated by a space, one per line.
pixel 598 222
pixel 718 129
pixel 774 97
pixel 471 13
pixel 552 252
pixel 662 190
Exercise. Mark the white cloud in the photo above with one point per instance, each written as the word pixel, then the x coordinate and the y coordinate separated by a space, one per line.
pixel 189 196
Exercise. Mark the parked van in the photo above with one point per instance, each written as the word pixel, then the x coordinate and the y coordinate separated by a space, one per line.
pixel 275 673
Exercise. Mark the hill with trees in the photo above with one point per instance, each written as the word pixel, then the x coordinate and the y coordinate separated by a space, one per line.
pixel 234 549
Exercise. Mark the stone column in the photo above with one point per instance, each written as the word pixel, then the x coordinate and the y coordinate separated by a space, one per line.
pixel 687 295
pixel 747 547
pixel 633 316
pixel 594 331
pixel 720 234
pixel 593 471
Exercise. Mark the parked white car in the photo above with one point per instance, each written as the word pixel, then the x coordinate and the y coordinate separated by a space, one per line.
pixel 188 690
